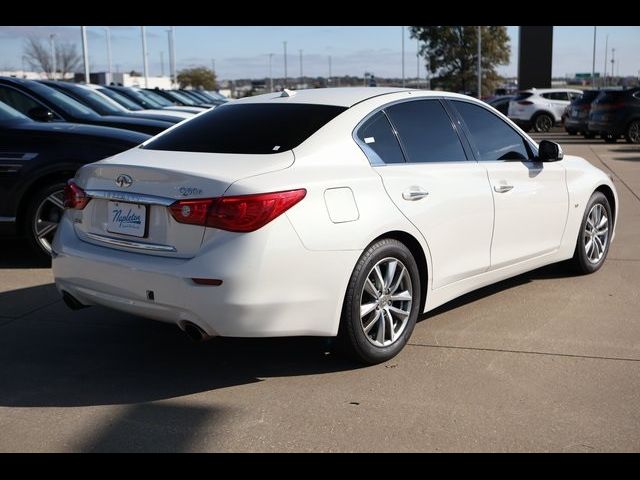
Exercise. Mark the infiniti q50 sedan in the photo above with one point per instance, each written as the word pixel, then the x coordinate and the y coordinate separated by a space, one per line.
pixel 329 212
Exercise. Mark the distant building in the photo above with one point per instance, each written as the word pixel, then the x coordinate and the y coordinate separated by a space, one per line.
pixel 30 75
pixel 124 79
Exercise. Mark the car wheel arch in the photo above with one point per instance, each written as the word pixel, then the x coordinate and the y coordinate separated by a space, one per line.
pixel 61 174
pixel 608 193
pixel 543 112
pixel 419 254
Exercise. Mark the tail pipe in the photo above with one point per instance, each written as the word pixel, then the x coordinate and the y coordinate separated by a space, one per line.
pixel 72 302
pixel 194 332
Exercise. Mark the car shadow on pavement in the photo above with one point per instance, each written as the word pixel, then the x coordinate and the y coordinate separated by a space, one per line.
pixel 556 270
pixel 17 254
pixel 95 356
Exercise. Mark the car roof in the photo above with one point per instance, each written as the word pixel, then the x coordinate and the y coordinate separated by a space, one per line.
pixel 342 96
pixel 550 90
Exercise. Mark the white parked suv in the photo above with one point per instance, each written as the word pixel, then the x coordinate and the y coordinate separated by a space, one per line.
pixel 540 108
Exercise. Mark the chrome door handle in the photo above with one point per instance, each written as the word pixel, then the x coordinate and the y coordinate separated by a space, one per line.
pixel 413 195
pixel 503 188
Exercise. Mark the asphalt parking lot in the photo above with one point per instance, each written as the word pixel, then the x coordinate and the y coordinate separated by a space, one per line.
pixel 546 361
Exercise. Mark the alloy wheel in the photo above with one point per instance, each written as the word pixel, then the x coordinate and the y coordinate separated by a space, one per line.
pixel 596 233
pixel 45 222
pixel 634 132
pixel 385 302
pixel 543 123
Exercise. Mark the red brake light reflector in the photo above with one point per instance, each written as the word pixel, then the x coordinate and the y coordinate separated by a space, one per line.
pixel 74 196
pixel 525 102
pixel 239 213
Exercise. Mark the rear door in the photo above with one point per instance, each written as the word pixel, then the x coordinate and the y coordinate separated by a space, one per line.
pixel 443 193
pixel 558 101
pixel 530 197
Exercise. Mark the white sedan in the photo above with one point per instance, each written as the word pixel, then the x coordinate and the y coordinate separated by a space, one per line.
pixel 342 212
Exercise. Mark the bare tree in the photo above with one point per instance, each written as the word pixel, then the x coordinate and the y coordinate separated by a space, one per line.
pixel 67 58
pixel 37 52
pixel 38 55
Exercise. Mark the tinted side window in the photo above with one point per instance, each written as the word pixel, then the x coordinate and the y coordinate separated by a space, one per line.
pixel 426 132
pixel 17 100
pixel 379 142
pixel 493 138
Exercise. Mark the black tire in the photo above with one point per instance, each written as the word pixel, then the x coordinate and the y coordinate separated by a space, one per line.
pixel 589 135
pixel 542 122
pixel 633 132
pixel 608 138
pixel 49 211
pixel 352 337
pixel 581 262
pixel 572 132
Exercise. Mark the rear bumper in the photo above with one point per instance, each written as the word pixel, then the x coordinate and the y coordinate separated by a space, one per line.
pixel 575 124
pixel 272 285
pixel 609 128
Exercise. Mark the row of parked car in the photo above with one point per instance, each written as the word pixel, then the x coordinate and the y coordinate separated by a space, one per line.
pixel 49 129
pixel 608 113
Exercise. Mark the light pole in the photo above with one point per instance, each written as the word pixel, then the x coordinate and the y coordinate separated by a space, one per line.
pixel 85 53
pixel 270 75
pixel 479 62
pixel 606 51
pixel 53 56
pixel 173 55
pixel 613 62
pixel 170 56
pixel 285 64
pixel 145 65
pixel 300 51
pixel 329 71
pixel 403 55
pixel 593 64
pixel 161 63
pixel 417 63
pixel 108 32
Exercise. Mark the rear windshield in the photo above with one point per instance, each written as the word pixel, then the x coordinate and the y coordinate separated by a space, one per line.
pixel 253 128
pixel 587 97
pixel 611 95
pixel 522 96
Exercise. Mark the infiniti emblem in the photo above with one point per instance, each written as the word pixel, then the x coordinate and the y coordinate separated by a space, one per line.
pixel 123 180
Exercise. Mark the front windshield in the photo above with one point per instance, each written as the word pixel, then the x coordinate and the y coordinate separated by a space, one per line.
pixel 63 102
pixel 154 97
pixel 99 102
pixel 121 99
pixel 8 114
pixel 181 97
pixel 139 97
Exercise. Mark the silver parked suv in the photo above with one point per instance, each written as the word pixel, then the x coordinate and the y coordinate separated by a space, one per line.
pixel 540 108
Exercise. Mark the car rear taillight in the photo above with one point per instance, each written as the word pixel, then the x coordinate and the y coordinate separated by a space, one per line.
pixel 74 196
pixel 525 102
pixel 241 213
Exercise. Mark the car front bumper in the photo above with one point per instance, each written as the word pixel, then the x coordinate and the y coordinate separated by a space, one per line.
pixel 272 285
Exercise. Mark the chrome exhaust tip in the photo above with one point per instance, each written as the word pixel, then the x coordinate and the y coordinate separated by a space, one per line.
pixel 194 332
pixel 72 302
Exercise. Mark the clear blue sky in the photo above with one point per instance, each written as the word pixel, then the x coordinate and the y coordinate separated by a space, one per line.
pixel 242 52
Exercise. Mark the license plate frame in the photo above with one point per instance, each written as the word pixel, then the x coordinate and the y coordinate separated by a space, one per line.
pixel 127 215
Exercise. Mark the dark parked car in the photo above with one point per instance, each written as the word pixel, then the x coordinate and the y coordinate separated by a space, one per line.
pixel 501 103
pixel 36 160
pixel 148 99
pixel 616 113
pixel 96 102
pixel 179 98
pixel 201 98
pixel 45 104
pixel 577 114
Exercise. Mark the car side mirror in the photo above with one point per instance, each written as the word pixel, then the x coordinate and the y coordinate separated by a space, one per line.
pixel 40 114
pixel 549 151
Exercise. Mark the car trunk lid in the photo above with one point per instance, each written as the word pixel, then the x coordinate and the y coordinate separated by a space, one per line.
pixel 131 193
